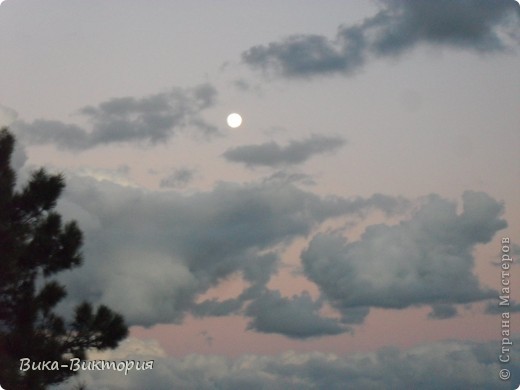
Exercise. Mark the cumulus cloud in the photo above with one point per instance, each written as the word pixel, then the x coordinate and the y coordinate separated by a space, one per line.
pixel 426 260
pixel 440 365
pixel 150 120
pixel 295 317
pixel 151 255
pixel 271 154
pixel 400 25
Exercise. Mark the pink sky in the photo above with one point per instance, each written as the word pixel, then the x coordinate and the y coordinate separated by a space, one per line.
pixel 376 169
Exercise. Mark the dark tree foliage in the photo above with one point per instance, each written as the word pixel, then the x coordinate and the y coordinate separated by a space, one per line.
pixel 35 245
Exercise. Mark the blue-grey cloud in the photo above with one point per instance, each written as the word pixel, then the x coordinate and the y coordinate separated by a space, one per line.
pixel 400 25
pixel 295 317
pixel 271 154
pixel 216 308
pixel 426 260
pixel 495 308
pixel 147 120
pixel 151 255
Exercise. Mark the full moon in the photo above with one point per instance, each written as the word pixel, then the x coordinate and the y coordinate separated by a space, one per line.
pixel 234 120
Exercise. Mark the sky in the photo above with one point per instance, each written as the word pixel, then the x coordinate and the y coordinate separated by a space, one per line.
pixel 347 235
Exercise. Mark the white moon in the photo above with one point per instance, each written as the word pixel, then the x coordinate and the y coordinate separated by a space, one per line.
pixel 234 120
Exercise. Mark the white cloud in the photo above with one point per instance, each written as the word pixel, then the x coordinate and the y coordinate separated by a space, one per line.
pixel 440 365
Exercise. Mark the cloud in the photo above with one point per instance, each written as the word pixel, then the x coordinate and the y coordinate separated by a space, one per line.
pixel 467 24
pixel 271 154
pixel 295 317
pixel 291 177
pixel 305 55
pixel 441 311
pixel 178 179
pixel 151 120
pixel 7 116
pixel 151 255
pixel 19 156
pixel 400 25
pixel 216 308
pixel 130 348
pixel 118 175
pixel 426 260
pixel 494 308
pixel 440 365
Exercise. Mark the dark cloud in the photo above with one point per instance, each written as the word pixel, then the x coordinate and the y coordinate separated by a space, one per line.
pixel 42 131
pixel 426 260
pixel 150 120
pixel 515 251
pixel 494 308
pixel 447 365
pixel 271 154
pixel 150 255
pixel 295 317
pixel 400 25
pixel 470 24
pixel 178 179
pixel 216 308
pixel 304 55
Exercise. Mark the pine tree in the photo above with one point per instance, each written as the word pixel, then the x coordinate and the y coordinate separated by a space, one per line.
pixel 35 245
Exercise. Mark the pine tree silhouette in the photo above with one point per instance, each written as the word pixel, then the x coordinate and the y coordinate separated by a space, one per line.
pixel 35 245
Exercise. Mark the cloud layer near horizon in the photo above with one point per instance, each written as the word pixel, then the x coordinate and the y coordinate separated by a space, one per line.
pixel 400 25
pixel 440 365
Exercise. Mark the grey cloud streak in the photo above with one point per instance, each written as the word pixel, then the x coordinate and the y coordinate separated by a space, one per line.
pixel 152 119
pixel 273 155
pixel 400 25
